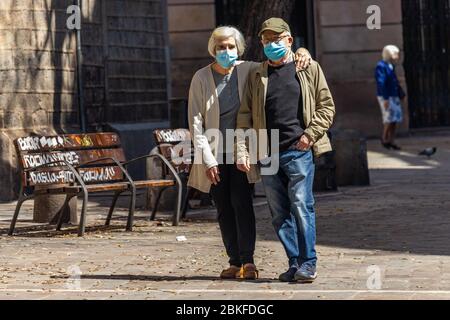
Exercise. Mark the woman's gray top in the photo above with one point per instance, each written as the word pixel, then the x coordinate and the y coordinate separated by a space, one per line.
pixel 229 103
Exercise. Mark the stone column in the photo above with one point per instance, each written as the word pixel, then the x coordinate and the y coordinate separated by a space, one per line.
pixel 168 198
pixel 46 208
pixel 351 158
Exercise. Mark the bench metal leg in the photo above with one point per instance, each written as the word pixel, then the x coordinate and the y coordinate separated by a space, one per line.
pixel 83 214
pixel 177 213
pixel 155 207
pixel 113 205
pixel 62 211
pixel 185 206
pixel 21 200
pixel 132 208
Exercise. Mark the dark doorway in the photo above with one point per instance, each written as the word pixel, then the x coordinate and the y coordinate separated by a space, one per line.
pixel 426 32
pixel 229 12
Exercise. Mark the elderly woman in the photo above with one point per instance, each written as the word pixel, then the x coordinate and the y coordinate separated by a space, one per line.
pixel 389 95
pixel 214 100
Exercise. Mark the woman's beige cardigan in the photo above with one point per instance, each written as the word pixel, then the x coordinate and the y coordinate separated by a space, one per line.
pixel 204 114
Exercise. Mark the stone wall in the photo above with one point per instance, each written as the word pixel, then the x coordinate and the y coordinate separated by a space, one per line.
pixel 190 25
pixel 37 70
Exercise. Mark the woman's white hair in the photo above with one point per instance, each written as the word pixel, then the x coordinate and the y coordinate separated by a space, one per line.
pixel 389 51
pixel 225 32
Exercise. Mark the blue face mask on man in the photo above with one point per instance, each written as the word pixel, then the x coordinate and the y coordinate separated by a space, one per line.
pixel 275 51
pixel 226 58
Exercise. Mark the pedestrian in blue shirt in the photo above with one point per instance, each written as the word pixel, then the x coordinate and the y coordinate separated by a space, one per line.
pixel 390 94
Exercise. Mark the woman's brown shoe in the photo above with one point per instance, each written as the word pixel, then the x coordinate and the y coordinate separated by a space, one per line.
pixel 249 272
pixel 232 272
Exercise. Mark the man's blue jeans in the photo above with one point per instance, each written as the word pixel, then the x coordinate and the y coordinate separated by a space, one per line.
pixel 291 201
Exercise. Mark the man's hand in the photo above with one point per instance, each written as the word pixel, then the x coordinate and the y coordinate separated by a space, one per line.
pixel 304 143
pixel 386 104
pixel 302 59
pixel 213 175
pixel 244 166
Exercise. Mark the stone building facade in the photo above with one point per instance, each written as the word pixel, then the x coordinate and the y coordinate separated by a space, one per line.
pixel 347 50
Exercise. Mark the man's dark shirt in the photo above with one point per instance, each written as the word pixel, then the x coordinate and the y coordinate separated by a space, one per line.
pixel 284 105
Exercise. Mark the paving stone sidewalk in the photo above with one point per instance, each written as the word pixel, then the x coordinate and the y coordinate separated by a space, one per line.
pixel 398 228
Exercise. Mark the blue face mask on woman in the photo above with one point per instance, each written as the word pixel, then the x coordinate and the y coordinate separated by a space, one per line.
pixel 275 51
pixel 226 58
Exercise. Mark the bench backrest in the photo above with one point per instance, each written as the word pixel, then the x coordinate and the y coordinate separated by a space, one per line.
pixel 175 146
pixel 76 149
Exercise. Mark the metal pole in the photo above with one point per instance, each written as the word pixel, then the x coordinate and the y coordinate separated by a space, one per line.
pixel 81 108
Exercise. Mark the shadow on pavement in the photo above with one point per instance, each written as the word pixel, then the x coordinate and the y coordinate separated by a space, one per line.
pixel 410 214
pixel 48 231
pixel 130 277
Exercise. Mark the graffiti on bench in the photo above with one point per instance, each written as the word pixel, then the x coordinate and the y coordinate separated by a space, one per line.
pixel 89 175
pixel 175 145
pixel 172 135
pixel 69 141
pixel 39 159
pixel 38 143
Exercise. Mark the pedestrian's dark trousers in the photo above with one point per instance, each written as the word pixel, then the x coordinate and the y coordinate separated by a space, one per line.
pixel 234 203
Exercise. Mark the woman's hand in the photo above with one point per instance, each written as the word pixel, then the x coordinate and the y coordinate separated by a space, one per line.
pixel 302 59
pixel 244 166
pixel 386 104
pixel 213 175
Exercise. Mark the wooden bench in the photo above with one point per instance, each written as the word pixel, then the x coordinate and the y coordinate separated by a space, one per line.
pixel 79 164
pixel 176 146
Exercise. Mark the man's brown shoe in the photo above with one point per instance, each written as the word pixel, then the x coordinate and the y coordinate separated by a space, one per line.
pixel 249 272
pixel 232 272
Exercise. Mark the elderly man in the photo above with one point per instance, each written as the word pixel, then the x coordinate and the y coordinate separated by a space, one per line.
pixel 299 106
